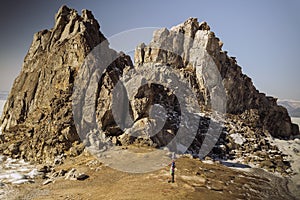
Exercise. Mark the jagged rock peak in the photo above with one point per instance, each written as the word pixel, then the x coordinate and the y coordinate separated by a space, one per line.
pixel 181 47
pixel 38 111
pixel 191 26
pixel 68 24
pixel 68 14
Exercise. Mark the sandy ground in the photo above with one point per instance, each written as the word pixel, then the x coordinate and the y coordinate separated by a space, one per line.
pixel 193 180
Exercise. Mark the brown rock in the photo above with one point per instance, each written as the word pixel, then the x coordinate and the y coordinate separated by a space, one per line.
pixel 243 98
pixel 38 111
pixel 39 114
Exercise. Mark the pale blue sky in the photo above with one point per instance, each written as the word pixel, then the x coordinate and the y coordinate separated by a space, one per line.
pixel 263 35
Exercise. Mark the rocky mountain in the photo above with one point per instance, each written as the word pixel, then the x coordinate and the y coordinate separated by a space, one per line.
pixel 242 96
pixel 293 107
pixel 37 119
pixel 69 91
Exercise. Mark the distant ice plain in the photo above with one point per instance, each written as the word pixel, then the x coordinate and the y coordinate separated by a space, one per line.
pixel 296 120
pixel 2 102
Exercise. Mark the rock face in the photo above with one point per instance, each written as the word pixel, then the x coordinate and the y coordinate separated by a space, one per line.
pixel 38 122
pixel 37 118
pixel 241 95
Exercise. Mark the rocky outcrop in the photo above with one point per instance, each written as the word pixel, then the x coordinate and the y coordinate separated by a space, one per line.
pixel 65 94
pixel 195 54
pixel 181 48
pixel 37 122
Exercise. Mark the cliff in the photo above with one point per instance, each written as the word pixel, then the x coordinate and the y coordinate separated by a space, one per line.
pixel 187 41
pixel 37 121
pixel 63 79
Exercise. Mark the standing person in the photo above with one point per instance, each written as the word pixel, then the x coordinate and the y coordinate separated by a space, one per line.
pixel 172 168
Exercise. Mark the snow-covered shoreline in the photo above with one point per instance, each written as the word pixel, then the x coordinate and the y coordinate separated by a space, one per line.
pixel 292 149
pixel 14 172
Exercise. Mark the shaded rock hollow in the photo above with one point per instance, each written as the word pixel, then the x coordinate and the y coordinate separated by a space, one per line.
pixel 37 121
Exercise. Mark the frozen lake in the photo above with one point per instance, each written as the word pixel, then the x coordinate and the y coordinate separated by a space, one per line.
pixel 296 120
pixel 2 102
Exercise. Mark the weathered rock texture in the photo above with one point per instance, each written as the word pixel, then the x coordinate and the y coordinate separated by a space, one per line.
pixel 38 124
pixel 180 48
pixel 191 49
